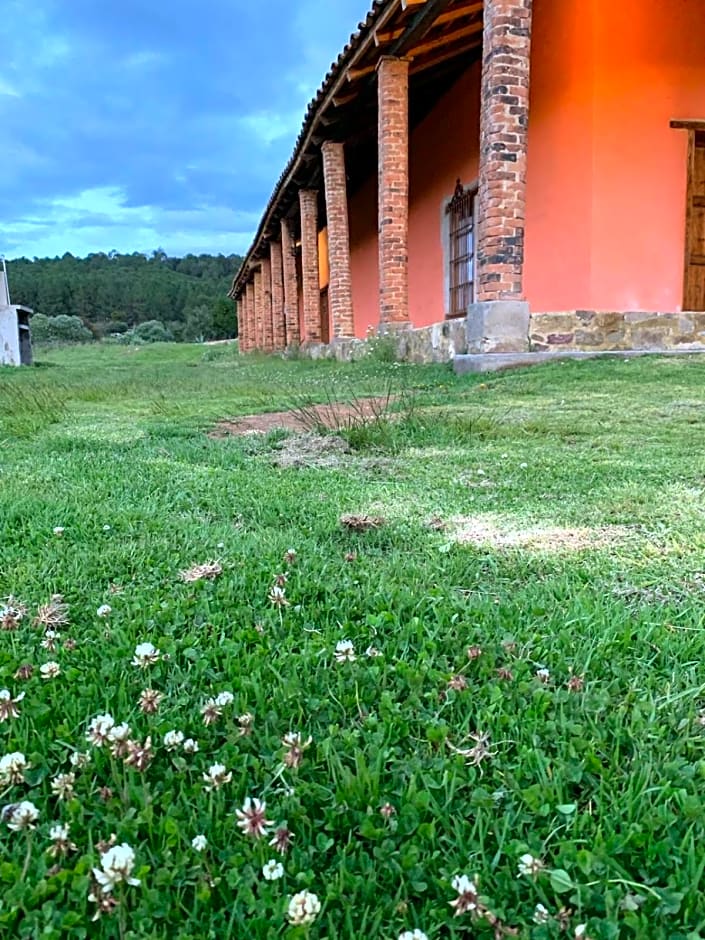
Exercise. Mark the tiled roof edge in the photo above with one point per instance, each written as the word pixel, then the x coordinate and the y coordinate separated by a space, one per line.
pixel 334 74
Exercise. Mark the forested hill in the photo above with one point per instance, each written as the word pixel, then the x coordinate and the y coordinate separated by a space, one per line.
pixel 113 292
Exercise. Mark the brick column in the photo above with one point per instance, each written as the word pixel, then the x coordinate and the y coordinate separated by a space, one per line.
pixel 393 201
pixel 250 307
pixel 503 141
pixel 278 323
pixel 259 310
pixel 291 286
pixel 311 283
pixel 241 324
pixel 267 334
pixel 249 319
pixel 340 284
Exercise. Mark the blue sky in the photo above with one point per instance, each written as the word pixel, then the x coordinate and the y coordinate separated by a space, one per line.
pixel 136 124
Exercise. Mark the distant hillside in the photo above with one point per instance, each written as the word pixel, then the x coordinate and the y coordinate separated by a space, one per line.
pixel 112 292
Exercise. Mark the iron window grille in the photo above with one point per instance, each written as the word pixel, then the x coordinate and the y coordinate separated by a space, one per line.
pixel 461 232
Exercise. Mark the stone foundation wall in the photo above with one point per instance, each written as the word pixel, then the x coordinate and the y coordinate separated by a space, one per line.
pixel 591 331
pixel 571 331
pixel 441 342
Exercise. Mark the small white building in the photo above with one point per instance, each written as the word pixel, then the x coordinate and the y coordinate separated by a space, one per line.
pixel 15 340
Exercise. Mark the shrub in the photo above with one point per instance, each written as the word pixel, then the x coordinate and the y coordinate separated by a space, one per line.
pixel 61 329
pixel 152 331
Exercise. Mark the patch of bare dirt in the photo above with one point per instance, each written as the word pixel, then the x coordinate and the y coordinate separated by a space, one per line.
pixel 332 415
pixel 483 533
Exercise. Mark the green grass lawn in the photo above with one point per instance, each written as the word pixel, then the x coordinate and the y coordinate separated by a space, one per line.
pixel 524 673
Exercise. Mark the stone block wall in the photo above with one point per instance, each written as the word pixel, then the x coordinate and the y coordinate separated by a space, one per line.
pixel 592 331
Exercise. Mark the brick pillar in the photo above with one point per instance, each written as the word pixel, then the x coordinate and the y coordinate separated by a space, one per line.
pixel 503 140
pixel 267 333
pixel 249 335
pixel 340 284
pixel 311 283
pixel 250 306
pixel 291 286
pixel 278 323
pixel 393 201
pixel 259 310
pixel 241 324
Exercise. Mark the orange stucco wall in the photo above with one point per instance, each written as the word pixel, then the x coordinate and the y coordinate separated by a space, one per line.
pixel 443 148
pixel 605 226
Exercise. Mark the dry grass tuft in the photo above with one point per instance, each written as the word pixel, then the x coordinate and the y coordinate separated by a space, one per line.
pixel 204 572
pixel 54 614
pixel 361 522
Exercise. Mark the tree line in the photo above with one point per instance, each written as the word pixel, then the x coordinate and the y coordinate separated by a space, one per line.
pixel 113 294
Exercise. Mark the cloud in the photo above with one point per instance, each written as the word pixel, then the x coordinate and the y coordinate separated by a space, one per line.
pixel 136 125
pixel 102 218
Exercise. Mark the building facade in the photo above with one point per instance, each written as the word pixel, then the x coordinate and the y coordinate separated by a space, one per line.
pixel 535 168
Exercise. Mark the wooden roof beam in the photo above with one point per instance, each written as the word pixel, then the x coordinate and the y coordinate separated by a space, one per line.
pixel 420 24
pixel 418 66
pixel 446 40
pixel 469 10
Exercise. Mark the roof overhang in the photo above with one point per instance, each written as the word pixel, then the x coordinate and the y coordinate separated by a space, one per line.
pixel 433 34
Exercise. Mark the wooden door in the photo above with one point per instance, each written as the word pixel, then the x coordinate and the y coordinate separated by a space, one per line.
pixel 694 298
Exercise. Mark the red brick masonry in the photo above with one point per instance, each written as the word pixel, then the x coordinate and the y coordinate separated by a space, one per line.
pixel 308 201
pixel 503 146
pixel 340 284
pixel 393 198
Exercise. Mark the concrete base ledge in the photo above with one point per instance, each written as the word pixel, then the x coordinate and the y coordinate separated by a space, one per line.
pixel 495 362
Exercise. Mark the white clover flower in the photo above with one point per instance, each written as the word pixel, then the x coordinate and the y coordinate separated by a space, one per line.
pixel 62 786
pixel 80 759
pixel 529 866
pixel 223 699
pixel 59 530
pixel 190 746
pixel 104 610
pixel 543 675
pixel 146 654
pixel 99 729
pixel 49 670
pixel 211 712
pixel 413 935
pixel 12 768
pixel 119 733
pixel 61 841
pixel 345 652
pixel 216 777
pixel 372 652
pixel 252 818
pixel 106 528
pixel 277 596
pixel 273 871
pixel 541 915
pixel 8 704
pixel 581 932
pixel 19 816
pixel 117 865
pixel 119 739
pixel 199 843
pixel 467 895
pixel 304 907
pixel 172 739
